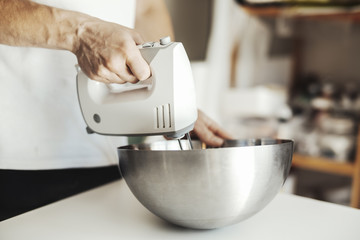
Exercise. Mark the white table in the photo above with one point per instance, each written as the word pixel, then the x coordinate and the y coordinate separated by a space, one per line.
pixel 112 212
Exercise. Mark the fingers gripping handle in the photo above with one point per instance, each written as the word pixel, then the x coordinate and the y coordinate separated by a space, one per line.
pixel 127 87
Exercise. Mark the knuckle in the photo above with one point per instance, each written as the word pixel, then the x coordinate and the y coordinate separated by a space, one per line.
pixel 136 34
pixel 208 135
pixel 100 71
pixel 143 74
pixel 127 45
pixel 116 64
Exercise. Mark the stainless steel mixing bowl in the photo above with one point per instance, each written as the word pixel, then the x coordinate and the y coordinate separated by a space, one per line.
pixel 206 188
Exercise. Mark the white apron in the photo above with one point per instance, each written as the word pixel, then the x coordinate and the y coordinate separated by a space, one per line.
pixel 41 126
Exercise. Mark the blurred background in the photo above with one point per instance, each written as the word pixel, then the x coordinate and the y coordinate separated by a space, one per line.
pixel 283 69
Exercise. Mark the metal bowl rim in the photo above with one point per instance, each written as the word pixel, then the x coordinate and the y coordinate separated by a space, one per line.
pixel 275 142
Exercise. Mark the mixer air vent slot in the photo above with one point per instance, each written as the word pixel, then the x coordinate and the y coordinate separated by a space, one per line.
pixel 162 116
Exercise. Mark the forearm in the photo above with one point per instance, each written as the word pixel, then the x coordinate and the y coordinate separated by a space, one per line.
pixel 105 51
pixel 25 23
pixel 153 20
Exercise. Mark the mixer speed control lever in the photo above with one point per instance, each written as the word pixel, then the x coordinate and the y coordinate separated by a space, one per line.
pixel 165 40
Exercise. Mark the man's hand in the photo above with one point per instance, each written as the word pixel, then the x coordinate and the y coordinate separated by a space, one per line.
pixel 107 52
pixel 209 131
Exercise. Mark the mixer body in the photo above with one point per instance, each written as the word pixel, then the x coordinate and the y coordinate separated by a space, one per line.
pixel 164 104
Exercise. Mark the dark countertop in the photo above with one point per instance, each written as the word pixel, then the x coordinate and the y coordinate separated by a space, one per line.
pixel 25 190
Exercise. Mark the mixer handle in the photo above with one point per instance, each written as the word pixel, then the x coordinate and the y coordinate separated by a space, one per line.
pixel 126 87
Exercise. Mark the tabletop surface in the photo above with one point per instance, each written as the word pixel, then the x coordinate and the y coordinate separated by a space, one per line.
pixel 112 212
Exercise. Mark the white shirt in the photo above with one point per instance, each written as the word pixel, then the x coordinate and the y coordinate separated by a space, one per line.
pixel 41 126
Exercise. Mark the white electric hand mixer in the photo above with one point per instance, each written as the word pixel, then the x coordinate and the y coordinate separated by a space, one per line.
pixel 164 104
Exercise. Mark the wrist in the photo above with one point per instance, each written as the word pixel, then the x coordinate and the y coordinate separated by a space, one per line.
pixel 70 26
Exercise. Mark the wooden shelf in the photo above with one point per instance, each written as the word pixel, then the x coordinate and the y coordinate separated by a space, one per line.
pixel 323 165
pixel 337 167
pixel 302 13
